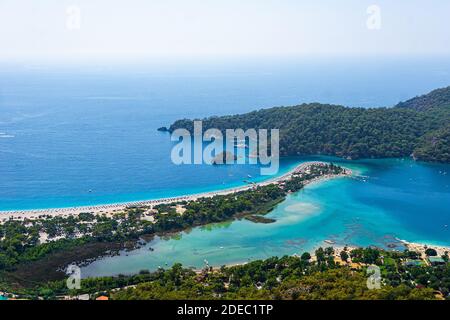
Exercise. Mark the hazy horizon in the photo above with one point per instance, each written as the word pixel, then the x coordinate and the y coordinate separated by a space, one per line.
pixel 123 31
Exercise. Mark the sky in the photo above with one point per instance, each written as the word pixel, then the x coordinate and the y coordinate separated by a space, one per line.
pixel 127 29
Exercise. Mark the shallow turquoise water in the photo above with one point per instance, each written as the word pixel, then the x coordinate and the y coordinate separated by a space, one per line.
pixel 395 199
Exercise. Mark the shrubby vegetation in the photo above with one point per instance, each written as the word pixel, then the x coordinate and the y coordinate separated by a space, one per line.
pixel 287 278
pixel 20 240
pixel 299 278
pixel 418 126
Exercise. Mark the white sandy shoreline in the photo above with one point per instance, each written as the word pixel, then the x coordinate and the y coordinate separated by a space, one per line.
pixel 110 209
pixel 421 247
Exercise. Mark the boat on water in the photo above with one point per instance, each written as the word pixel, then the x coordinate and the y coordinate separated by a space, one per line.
pixel 6 135
pixel 330 241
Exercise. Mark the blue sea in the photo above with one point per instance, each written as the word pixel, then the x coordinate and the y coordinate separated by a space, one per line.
pixel 86 134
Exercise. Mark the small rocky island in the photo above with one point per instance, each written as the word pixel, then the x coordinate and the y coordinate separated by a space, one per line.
pixel 163 129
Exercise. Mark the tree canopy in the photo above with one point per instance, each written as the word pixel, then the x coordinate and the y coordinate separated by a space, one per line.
pixel 417 127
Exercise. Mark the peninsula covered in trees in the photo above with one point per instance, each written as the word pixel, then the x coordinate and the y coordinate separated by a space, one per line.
pixel 418 127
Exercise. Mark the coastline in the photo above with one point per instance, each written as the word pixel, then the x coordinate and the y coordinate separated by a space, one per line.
pixel 421 247
pixel 411 246
pixel 111 209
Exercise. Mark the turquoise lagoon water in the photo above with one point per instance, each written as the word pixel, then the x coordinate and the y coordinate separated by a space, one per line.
pixel 395 198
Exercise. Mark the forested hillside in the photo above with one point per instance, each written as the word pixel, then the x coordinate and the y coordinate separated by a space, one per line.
pixel 436 98
pixel 417 127
pixel 435 146
pixel 300 278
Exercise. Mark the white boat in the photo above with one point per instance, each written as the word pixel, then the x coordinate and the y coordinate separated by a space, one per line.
pixel 6 135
